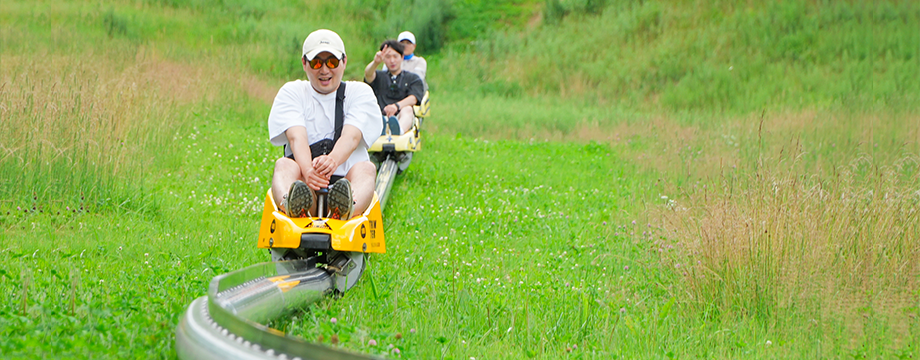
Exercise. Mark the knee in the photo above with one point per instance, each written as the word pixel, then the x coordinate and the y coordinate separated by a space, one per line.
pixel 407 112
pixel 362 171
pixel 363 168
pixel 285 165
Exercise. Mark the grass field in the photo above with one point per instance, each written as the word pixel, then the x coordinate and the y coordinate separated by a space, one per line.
pixel 600 180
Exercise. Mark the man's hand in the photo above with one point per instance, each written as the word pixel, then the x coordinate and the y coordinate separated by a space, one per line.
pixel 313 178
pixel 370 71
pixel 391 109
pixel 323 167
pixel 378 57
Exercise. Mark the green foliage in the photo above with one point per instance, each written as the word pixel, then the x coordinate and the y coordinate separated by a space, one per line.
pixel 229 8
pixel 428 20
pixel 115 24
pixel 555 10
pixel 481 19
pixel 724 56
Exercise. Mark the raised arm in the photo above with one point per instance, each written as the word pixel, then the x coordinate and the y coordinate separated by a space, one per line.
pixel 370 72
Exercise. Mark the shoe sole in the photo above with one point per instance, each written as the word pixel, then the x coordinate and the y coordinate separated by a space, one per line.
pixel 341 202
pixel 299 200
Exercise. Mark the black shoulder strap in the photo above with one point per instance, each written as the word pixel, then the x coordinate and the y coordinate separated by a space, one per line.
pixel 339 111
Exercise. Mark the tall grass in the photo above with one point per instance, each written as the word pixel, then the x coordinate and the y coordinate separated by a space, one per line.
pixel 726 56
pixel 786 247
pixel 85 125
pixel 73 127
pixel 806 223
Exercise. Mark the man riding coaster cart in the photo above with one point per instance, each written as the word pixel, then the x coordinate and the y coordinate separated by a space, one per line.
pixel 325 126
pixel 403 101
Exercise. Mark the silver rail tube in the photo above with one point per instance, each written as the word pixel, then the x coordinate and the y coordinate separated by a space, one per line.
pixel 385 177
pixel 227 324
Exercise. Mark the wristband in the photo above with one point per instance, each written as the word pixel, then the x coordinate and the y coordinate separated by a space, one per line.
pixel 397 106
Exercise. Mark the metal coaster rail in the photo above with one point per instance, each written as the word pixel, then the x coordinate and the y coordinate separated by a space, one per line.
pixel 227 323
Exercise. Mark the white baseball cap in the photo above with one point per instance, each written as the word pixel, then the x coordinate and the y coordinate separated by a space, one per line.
pixel 405 35
pixel 323 40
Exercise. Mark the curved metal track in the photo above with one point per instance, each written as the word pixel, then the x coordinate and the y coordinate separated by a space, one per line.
pixel 388 170
pixel 227 323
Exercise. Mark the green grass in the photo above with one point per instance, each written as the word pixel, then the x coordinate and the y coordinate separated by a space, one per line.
pixel 571 162
pixel 718 57
pixel 485 241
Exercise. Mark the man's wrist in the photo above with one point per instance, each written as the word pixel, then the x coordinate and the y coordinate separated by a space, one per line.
pixel 397 106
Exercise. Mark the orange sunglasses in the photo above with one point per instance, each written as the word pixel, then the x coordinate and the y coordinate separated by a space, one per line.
pixel 331 62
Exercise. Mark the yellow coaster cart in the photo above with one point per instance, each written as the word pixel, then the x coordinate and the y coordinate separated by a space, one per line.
pixel 339 244
pixel 393 152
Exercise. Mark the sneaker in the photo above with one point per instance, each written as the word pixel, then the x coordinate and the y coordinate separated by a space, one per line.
pixel 340 203
pixel 394 126
pixel 299 200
